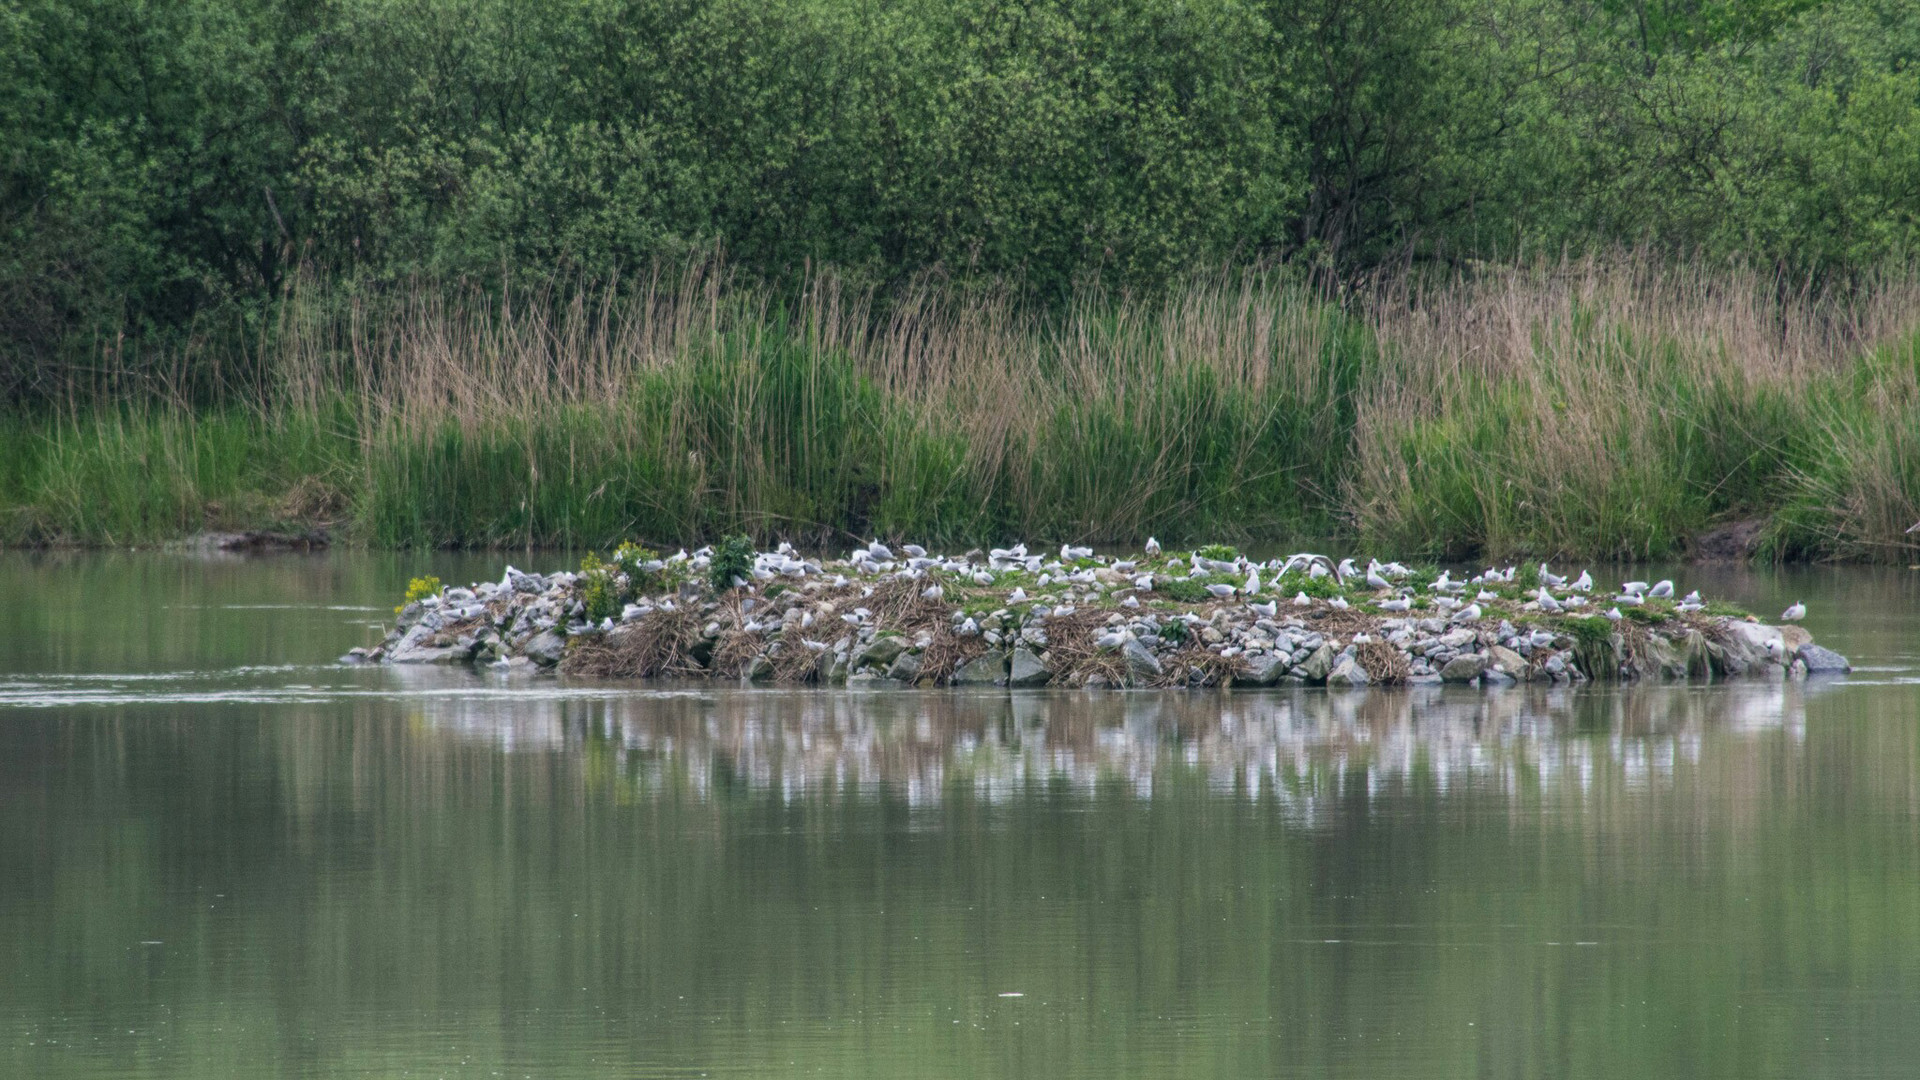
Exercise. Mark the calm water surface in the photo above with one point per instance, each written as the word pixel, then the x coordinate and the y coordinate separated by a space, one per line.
pixel 220 856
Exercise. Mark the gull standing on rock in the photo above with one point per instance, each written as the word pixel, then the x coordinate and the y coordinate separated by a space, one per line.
pixel 1466 614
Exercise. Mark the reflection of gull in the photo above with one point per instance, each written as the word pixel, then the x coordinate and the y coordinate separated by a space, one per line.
pixel 1297 750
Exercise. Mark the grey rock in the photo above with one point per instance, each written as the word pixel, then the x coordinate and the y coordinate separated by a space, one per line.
pixel 1457 639
pixel 905 667
pixel 1507 662
pixel 1317 666
pixel 881 652
pixel 1463 669
pixel 1141 664
pixel 830 667
pixel 1347 672
pixel 1025 669
pixel 982 670
pixel 1263 670
pixel 1496 677
pixel 1821 661
pixel 545 649
pixel 433 654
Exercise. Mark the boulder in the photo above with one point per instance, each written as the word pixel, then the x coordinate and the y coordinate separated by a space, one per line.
pixel 982 670
pixel 433 654
pixel 1507 662
pixel 1262 670
pixel 1141 664
pixel 881 651
pixel 545 649
pixel 1347 672
pixel 1463 669
pixel 1821 661
pixel 1317 666
pixel 829 669
pixel 905 667
pixel 1025 669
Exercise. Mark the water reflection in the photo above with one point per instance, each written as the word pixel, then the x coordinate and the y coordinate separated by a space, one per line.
pixel 1303 749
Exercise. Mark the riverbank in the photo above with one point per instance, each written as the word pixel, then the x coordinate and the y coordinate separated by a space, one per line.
pixel 1010 617
pixel 1600 409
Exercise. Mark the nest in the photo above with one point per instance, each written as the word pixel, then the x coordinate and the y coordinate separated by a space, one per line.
pixel 1071 654
pixel 1382 662
pixel 897 604
pixel 793 662
pixel 660 643
pixel 1196 665
pixel 948 652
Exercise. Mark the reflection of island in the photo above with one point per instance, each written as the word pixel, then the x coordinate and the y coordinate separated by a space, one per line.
pixel 1299 750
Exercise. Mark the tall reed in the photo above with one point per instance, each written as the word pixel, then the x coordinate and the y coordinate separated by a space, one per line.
pixel 1605 406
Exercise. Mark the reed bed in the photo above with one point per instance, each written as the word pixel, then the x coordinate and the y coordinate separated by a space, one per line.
pixel 1601 407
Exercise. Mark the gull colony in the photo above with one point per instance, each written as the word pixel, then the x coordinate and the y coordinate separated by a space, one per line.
pixel 887 616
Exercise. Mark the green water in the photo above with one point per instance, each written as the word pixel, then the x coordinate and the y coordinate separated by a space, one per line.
pixel 222 857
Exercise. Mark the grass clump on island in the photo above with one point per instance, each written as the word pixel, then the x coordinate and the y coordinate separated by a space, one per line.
pixel 1604 408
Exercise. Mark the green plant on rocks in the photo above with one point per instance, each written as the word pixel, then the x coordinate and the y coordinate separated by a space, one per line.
pixel 732 560
pixel 600 588
pixel 419 589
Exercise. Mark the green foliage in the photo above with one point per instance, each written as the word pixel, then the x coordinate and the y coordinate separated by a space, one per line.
pixel 239 147
pixel 1219 552
pixel 1294 582
pixel 732 558
pixel 1174 630
pixel 1181 590
pixel 1589 629
pixel 600 587
pixel 419 588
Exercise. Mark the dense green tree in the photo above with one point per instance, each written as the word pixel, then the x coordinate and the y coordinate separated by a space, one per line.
pixel 169 167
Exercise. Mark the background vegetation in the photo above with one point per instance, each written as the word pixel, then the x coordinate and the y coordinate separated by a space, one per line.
pixel 1580 275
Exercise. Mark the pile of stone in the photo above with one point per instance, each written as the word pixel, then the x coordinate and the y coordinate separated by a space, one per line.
pixel 1008 617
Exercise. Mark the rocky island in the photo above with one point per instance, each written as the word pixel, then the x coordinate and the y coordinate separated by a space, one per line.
pixel 882 617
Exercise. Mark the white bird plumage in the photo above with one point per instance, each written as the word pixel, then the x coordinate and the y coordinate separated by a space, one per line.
pixel 1795 613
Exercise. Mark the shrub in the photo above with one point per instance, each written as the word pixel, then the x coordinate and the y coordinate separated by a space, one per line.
pixel 732 558
pixel 419 589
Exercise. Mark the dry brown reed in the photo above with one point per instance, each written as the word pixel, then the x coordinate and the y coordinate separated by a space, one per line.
pixel 659 643
pixel 1383 663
